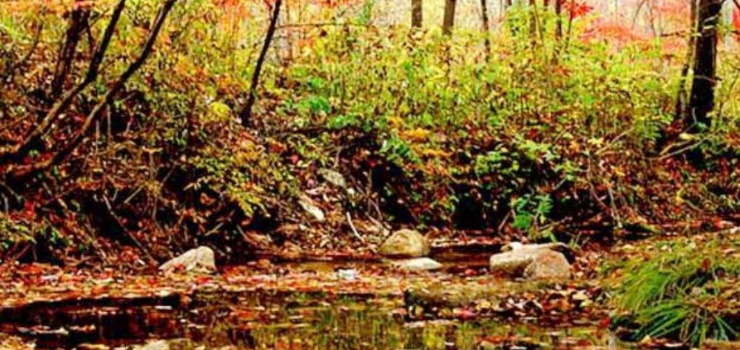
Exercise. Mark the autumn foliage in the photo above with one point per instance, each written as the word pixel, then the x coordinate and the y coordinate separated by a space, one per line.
pixel 539 138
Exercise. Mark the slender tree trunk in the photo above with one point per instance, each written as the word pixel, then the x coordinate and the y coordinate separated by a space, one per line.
pixel 558 19
pixel 534 22
pixel 246 113
pixel 449 18
pixel 533 18
pixel 20 150
pixel 417 13
pixel 486 28
pixel 705 64
pixel 680 109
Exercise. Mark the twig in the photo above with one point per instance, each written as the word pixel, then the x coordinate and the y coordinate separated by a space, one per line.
pixel 354 230
pixel 681 150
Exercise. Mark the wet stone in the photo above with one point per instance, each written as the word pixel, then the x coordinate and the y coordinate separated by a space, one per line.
pixel 418 264
pixel 201 259
pixel 548 265
pixel 534 262
pixel 405 244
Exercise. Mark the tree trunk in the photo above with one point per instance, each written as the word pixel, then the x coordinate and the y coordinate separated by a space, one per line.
pixel 417 13
pixel 449 19
pixel 486 27
pixel 533 22
pixel 705 65
pixel 558 19
pixel 77 25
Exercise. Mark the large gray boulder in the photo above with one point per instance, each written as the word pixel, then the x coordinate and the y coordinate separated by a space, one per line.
pixel 201 259
pixel 405 244
pixel 533 261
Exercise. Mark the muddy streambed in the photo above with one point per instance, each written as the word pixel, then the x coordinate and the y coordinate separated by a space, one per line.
pixel 309 305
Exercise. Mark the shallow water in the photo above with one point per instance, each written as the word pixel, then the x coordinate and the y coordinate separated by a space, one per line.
pixel 280 319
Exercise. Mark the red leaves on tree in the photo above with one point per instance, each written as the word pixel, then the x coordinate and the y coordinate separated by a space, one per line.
pixel 577 9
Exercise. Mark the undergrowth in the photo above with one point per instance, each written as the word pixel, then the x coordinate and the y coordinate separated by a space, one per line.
pixel 686 292
pixel 537 138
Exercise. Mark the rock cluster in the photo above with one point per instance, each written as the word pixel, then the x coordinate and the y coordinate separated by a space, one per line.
pixel 533 261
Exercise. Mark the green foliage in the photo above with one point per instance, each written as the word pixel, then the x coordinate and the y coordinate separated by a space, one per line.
pixel 684 294
pixel 536 132
pixel 21 233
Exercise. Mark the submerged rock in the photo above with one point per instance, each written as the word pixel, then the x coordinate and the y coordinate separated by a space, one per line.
pixel 201 259
pixel 405 244
pixel 417 264
pixel 535 261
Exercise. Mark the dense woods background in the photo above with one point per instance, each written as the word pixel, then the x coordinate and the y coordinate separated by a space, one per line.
pixel 160 125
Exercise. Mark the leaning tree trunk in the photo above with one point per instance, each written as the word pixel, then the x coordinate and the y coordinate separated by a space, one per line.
pixel 246 112
pixel 705 65
pixel 65 61
pixel 417 14
pixel 449 19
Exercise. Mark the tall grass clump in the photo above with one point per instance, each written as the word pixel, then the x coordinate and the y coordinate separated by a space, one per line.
pixel 688 294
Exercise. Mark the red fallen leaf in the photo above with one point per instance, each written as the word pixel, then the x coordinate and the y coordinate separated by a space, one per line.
pixel 465 314
pixel 605 322
pixel 203 280
pixel 706 264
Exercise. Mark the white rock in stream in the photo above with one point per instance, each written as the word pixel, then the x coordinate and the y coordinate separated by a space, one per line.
pixel 201 259
pixel 418 264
